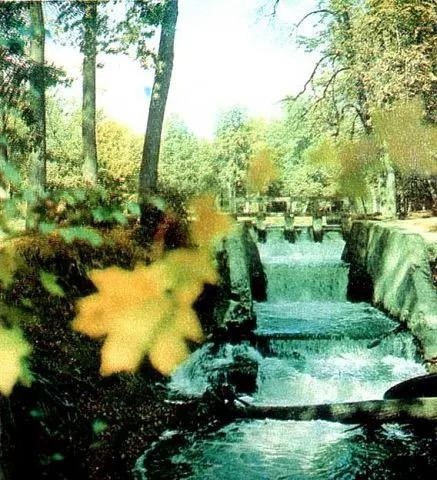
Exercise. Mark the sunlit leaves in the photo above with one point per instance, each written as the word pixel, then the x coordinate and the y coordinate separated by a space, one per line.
pixel 13 351
pixel 410 143
pixel 186 163
pixel 262 171
pixel 208 224
pixel 49 282
pixel 9 174
pixel 119 149
pixel 399 132
pixel 149 310
pixel 323 153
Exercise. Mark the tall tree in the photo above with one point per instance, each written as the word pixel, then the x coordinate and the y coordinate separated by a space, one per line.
pixel 85 22
pixel 14 69
pixel 163 71
pixel 186 163
pixel 89 46
pixel 374 53
pixel 37 97
pixel 233 148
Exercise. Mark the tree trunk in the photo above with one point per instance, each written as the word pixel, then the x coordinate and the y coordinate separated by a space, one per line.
pixel 433 193
pixel 4 185
pixel 164 66
pixel 89 143
pixel 37 98
pixel 368 412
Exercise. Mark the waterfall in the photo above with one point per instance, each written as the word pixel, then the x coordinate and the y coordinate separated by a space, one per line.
pixel 317 346
pixel 313 347
pixel 208 366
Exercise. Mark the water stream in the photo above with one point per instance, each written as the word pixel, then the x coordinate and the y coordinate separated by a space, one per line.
pixel 317 347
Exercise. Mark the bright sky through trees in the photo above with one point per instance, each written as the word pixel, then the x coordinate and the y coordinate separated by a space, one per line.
pixel 228 52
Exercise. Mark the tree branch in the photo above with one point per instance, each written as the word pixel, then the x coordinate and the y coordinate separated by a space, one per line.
pixel 275 8
pixel 354 123
pixel 370 412
pixel 314 12
pixel 313 73
pixel 332 79
pixel 325 90
pixel 360 113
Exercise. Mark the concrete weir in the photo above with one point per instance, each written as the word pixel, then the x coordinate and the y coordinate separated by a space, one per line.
pixel 391 265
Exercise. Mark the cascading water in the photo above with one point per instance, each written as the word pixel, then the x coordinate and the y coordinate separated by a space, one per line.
pixel 315 347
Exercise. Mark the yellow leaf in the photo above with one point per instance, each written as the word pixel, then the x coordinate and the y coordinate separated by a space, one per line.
pixel 191 266
pixel 262 171
pixel 147 311
pixel 168 351
pixel 209 223
pixel 13 350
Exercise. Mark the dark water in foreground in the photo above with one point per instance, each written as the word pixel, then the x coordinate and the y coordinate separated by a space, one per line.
pixel 317 351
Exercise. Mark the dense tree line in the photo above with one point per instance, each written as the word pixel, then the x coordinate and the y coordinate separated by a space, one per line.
pixel 373 87
pixel 348 133
pixel 27 78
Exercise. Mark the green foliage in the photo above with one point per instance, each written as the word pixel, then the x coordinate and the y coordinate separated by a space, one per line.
pixel 233 147
pixel 78 207
pixel 350 162
pixel 49 282
pixel 118 148
pixel 69 26
pixel 411 144
pixel 290 139
pixel 141 22
pixel 99 426
pixel 64 144
pixel 396 50
pixel 375 55
pixel 86 234
pixel 186 163
pixel 400 135
pixel 373 52
pixel 119 152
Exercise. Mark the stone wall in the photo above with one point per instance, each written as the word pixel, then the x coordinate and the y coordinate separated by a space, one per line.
pixel 243 281
pixel 392 266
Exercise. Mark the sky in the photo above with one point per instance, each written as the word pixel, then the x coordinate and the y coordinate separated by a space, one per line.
pixel 227 53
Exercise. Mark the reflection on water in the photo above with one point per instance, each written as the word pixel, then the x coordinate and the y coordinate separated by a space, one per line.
pixel 274 450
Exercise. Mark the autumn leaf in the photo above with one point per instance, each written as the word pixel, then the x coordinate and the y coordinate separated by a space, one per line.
pixel 209 223
pixel 13 351
pixel 147 311
pixel 262 171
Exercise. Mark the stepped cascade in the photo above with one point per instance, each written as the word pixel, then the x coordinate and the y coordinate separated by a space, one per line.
pixel 314 347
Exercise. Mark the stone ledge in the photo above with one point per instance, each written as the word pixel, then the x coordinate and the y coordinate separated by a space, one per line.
pixel 397 261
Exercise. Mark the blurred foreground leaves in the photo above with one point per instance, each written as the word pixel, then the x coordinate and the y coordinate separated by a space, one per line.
pixel 149 310
pixel 13 352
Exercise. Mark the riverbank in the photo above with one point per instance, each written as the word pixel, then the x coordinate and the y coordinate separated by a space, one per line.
pixel 392 263
pixel 72 422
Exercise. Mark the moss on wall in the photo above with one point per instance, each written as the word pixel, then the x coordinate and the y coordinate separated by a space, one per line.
pixel 395 266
